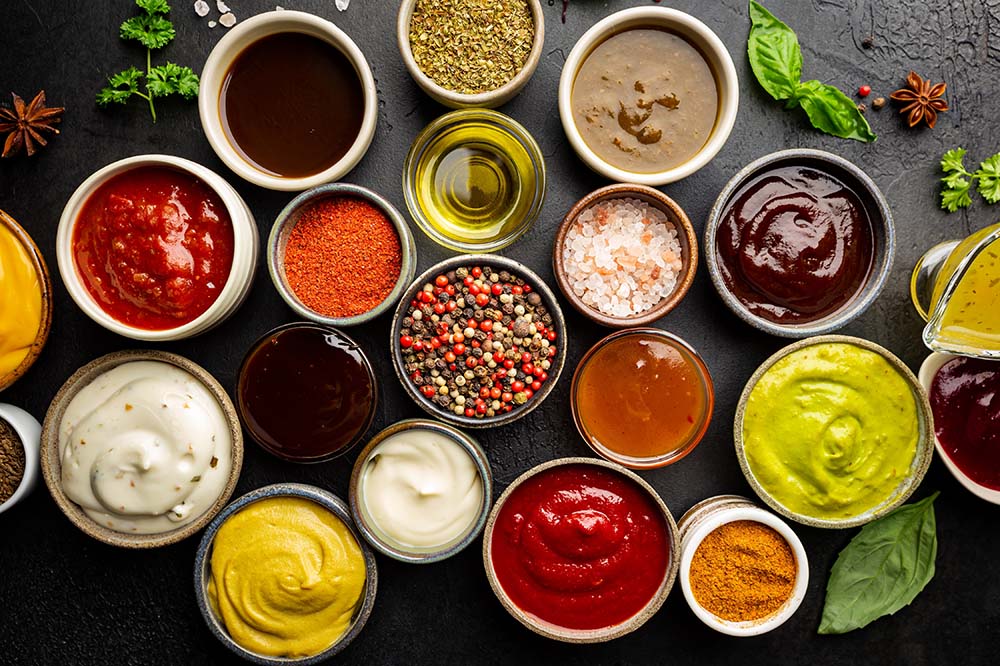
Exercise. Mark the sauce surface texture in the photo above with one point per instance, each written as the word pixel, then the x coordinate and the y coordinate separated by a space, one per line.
pixel 20 302
pixel 580 547
pixel 154 247
pixel 831 430
pixel 965 399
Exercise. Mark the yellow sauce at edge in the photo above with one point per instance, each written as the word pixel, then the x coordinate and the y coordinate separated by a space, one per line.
pixel 972 315
pixel 286 577
pixel 20 302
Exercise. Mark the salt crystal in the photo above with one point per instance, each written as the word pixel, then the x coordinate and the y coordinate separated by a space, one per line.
pixel 342 4
pixel 212 24
pixel 201 8
pixel 279 8
pixel 222 7
pixel 228 20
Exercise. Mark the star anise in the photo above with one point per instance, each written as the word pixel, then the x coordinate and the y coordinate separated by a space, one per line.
pixel 25 124
pixel 922 100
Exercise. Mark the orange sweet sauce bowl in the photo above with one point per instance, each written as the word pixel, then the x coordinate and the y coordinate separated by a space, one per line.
pixel 642 397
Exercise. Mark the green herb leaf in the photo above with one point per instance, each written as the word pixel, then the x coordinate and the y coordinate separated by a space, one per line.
pixel 833 112
pixel 989 179
pixel 774 53
pixel 152 7
pixel 956 196
pixel 882 569
pixel 152 31
pixel 953 161
pixel 122 86
pixel 171 78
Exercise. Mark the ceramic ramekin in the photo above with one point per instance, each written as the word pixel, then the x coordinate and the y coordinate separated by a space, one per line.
pixel 704 518
pixel 928 370
pixel 457 100
pixel 202 569
pixel 289 217
pixel 681 24
pixel 685 235
pixel 45 284
pixel 245 246
pixel 225 52
pixel 51 456
pixel 28 430
pixel 909 481
pixel 883 236
pixel 566 635
pixel 385 544
pixel 500 263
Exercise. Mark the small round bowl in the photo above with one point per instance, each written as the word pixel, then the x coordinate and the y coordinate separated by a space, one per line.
pixel 203 557
pixel 883 236
pixel 921 458
pixel 245 245
pixel 457 100
pixel 704 518
pixel 580 636
pixel 501 263
pixel 289 217
pixel 45 284
pixel 28 430
pixel 685 235
pixel 928 370
pixel 446 124
pixel 390 547
pixel 686 26
pixel 216 69
pixel 51 457
pixel 656 461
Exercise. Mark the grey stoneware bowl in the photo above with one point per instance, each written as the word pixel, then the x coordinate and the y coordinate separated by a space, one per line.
pixel 582 636
pixel 287 220
pixel 51 459
pixel 395 550
pixel 203 556
pixel 501 263
pixel 921 458
pixel 875 204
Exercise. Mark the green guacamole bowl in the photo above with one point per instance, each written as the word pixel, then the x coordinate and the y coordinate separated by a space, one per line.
pixel 833 432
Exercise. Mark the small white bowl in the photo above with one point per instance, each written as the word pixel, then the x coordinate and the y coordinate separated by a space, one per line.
pixel 685 25
pixel 29 431
pixel 704 518
pixel 213 76
pixel 928 369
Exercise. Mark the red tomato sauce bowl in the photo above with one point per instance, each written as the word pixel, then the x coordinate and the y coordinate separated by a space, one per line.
pixel 156 247
pixel 581 550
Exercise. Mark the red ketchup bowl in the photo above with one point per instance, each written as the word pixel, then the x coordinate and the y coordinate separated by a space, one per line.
pixel 157 248
pixel 581 550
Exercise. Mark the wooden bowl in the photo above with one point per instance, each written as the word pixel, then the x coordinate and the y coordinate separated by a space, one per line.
pixel 51 458
pixel 685 235
pixel 45 283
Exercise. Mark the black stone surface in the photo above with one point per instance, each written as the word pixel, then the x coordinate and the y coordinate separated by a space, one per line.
pixel 67 599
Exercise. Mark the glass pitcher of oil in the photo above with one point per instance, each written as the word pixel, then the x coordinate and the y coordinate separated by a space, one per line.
pixel 955 287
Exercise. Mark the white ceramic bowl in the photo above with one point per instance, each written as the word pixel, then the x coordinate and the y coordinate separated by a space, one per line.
pixel 213 76
pixel 457 100
pixel 246 242
pixel 679 23
pixel 704 518
pixel 928 369
pixel 29 431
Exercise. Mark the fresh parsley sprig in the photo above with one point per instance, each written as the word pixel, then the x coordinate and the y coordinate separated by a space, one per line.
pixel 958 180
pixel 153 30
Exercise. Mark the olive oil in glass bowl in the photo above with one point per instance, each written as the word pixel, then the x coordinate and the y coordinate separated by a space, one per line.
pixel 474 180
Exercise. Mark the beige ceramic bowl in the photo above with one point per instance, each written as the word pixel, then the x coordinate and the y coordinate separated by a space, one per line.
pixel 51 458
pixel 45 283
pixel 910 480
pixel 685 235
pixel 456 100
pixel 555 632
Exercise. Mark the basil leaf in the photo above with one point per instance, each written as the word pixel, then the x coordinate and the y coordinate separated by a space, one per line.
pixel 774 53
pixel 882 569
pixel 833 112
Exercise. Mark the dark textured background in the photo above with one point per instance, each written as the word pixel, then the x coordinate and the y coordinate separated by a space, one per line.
pixel 65 598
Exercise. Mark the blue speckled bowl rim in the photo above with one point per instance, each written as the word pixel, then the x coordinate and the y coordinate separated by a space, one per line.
pixel 286 221
pixel 328 501
pixel 881 219
pixel 469 445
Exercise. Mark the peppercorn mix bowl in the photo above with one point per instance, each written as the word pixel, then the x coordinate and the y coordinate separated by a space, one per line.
pixel 19 429
pixel 478 341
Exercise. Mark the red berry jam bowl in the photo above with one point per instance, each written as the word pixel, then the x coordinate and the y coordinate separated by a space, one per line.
pixel 478 340
pixel 157 248
pixel 581 550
